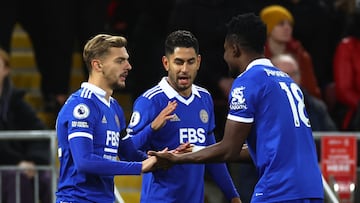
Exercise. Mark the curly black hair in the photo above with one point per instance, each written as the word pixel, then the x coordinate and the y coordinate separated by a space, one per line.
pixel 248 31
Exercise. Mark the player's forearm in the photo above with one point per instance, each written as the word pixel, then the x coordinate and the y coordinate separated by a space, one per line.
pixel 141 137
pixel 127 151
pixel 88 162
pixel 209 154
pixel 100 166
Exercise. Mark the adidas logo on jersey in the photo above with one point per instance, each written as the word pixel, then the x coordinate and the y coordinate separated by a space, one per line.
pixel 175 118
pixel 103 120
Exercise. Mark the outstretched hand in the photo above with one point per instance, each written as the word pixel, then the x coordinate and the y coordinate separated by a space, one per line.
pixel 165 157
pixel 161 162
pixel 153 163
pixel 164 115
pixel 149 164
pixel 183 148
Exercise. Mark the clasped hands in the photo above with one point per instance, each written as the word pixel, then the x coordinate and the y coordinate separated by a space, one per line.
pixel 164 159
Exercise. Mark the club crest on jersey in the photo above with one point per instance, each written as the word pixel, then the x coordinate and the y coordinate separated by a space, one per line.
pixel 135 118
pixel 204 116
pixel 237 99
pixel 81 111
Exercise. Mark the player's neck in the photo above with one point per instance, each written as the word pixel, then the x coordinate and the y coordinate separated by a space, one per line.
pixel 101 85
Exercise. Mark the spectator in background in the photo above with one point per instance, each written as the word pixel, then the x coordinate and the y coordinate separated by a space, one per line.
pixel 319 116
pixel 318 25
pixel 279 23
pixel 38 22
pixel 16 114
pixel 347 74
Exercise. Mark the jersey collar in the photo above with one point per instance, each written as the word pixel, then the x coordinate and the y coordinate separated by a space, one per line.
pixel 170 92
pixel 261 61
pixel 100 93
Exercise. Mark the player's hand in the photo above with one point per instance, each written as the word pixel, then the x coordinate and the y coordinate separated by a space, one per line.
pixel 153 163
pixel 165 156
pixel 149 164
pixel 183 148
pixel 164 115
pixel 236 200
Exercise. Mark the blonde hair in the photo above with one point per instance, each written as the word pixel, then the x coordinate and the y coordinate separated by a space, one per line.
pixel 98 47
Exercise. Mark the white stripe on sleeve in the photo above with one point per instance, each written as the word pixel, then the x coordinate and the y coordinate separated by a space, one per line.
pixel 80 134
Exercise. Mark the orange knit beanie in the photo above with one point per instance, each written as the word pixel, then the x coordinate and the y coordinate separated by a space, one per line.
pixel 272 15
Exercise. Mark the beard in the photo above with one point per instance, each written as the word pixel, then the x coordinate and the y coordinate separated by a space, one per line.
pixel 117 86
pixel 114 84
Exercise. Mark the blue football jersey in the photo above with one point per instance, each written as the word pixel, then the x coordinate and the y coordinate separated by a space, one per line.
pixel 193 122
pixel 281 143
pixel 88 129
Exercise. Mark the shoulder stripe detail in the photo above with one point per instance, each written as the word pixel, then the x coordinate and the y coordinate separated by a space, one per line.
pixel 240 119
pixel 153 92
pixel 201 89
pixel 86 93
pixel 80 134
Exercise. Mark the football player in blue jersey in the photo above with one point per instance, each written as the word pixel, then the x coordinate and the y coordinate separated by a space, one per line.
pixel 91 128
pixel 267 112
pixel 192 122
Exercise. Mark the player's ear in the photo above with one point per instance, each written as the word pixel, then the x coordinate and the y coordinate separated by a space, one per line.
pixel 97 65
pixel 236 50
pixel 165 62
pixel 199 61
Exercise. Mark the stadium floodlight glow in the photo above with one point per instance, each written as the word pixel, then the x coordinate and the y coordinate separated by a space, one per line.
pixel 336 187
pixel 352 187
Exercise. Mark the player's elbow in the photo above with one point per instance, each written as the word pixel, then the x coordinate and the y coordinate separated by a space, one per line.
pixel 228 156
pixel 231 154
pixel 227 152
pixel 82 165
